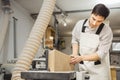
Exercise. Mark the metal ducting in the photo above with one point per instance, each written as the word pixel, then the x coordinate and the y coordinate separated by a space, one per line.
pixel 32 45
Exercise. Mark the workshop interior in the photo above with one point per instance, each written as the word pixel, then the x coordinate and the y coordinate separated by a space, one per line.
pixel 35 38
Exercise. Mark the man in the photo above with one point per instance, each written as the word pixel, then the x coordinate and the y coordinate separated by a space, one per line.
pixel 92 39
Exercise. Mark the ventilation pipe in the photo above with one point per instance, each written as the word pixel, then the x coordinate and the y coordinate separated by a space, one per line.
pixel 32 45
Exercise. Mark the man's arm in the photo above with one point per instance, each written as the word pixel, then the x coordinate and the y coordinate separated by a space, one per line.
pixel 91 57
pixel 76 58
pixel 74 49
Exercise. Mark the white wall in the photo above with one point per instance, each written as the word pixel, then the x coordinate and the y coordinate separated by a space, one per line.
pixel 24 25
pixel 23 28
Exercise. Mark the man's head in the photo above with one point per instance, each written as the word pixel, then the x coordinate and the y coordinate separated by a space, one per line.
pixel 99 13
pixel 101 10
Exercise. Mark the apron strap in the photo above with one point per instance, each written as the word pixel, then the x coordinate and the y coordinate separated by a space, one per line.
pixel 100 28
pixel 97 32
pixel 83 27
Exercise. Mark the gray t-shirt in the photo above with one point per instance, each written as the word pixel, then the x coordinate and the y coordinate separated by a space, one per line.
pixel 106 37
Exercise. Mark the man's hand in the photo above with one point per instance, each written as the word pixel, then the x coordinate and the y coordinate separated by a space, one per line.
pixel 75 59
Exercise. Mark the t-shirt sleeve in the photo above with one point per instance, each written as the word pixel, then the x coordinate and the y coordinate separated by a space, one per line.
pixel 105 43
pixel 76 33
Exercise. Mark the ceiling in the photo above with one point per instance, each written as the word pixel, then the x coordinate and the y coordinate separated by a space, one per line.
pixel 76 10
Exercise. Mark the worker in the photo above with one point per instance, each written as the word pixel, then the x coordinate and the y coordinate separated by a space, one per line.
pixel 91 41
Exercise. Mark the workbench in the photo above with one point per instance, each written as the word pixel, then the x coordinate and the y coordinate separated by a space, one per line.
pixel 46 75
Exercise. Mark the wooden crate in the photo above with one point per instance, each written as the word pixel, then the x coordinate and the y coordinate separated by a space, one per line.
pixel 58 61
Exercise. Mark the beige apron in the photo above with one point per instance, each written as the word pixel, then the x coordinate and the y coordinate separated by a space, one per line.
pixel 88 45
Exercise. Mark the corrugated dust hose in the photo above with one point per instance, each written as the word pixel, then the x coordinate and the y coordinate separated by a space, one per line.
pixel 32 44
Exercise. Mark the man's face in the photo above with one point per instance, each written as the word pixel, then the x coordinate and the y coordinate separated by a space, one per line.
pixel 95 20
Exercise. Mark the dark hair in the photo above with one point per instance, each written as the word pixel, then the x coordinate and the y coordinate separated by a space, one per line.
pixel 101 10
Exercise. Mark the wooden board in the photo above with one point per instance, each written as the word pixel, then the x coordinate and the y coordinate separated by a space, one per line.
pixel 58 61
